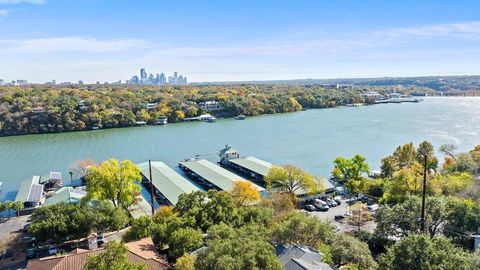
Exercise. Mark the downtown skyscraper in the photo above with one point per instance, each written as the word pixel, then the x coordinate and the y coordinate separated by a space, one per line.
pixel 159 79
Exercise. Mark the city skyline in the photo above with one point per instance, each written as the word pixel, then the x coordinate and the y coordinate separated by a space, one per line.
pixel 237 40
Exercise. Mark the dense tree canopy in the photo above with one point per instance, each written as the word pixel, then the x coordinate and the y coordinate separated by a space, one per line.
pixel 419 252
pixel 42 109
pixel 61 221
pixel 115 181
pixel 290 179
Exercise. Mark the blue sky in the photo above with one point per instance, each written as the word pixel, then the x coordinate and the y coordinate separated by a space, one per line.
pixel 107 40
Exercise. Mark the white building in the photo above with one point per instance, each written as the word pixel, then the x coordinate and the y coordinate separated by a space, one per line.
pixel 211 105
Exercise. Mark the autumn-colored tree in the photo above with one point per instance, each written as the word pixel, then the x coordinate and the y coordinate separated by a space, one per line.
pixel 115 181
pixel 245 193
pixel 360 215
pixel 186 262
pixel 290 179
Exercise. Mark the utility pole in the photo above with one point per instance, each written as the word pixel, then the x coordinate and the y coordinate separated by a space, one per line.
pixel 151 187
pixel 424 192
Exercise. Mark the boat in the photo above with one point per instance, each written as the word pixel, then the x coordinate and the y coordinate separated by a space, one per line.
pixel 95 128
pixel 1 184
pixel 240 117
pixel 210 119
pixel 162 120
pixel 206 118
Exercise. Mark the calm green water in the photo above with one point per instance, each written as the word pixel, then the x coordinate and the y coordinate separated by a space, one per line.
pixel 310 139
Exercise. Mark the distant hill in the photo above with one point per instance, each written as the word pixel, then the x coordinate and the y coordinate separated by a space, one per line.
pixel 437 83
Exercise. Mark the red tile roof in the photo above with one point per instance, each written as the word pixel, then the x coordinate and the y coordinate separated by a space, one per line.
pixel 141 251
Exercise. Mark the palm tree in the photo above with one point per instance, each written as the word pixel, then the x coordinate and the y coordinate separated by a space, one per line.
pixel 9 205
pixel 18 206
pixel 3 207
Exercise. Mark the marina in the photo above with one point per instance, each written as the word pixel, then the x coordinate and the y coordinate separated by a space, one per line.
pixel 211 175
pixel 373 131
pixel 167 183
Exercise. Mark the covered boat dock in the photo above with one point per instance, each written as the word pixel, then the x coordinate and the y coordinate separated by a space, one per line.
pixel 211 175
pixel 167 183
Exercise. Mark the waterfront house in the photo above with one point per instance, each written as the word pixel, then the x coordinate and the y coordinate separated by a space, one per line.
pixel 151 106
pixel 210 106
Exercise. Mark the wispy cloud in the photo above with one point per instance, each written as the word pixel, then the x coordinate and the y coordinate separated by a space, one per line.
pixel 72 44
pixel 340 43
pixel 36 2
pixel 3 12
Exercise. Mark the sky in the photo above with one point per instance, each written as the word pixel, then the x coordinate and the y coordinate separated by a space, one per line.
pixel 237 40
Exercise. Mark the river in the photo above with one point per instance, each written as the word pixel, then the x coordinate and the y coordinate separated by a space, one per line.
pixel 310 139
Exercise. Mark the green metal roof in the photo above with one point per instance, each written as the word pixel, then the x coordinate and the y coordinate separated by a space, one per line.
pixel 66 194
pixel 214 174
pixel 142 208
pixel 23 194
pixel 167 181
pixel 253 164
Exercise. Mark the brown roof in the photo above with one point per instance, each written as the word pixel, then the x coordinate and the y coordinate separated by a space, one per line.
pixel 141 251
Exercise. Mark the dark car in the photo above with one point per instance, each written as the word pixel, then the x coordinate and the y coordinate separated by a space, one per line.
pixel 337 200
pixel 322 208
pixel 31 253
pixel 26 227
pixel 100 240
pixel 310 207
pixel 339 217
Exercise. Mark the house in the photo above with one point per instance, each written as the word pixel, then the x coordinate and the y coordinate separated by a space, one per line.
pixel 66 194
pixel 295 257
pixel 210 106
pixel 141 251
pixel 151 106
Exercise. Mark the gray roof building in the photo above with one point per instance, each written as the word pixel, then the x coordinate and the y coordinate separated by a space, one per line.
pixel 295 257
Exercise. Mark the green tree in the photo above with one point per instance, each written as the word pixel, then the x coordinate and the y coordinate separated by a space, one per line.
pixel 351 171
pixel 349 250
pixel 242 248
pixel 403 219
pixel 18 206
pixel 462 220
pixel 141 227
pixel 301 229
pixel 185 240
pixel 115 257
pixel 419 252
pixel 204 209
pixel 290 179
pixel 115 181
pixel 186 262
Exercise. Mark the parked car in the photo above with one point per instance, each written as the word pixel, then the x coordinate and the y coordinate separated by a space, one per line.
pixel 310 208
pixel 323 208
pixel 31 253
pixel 338 200
pixel 52 250
pixel 373 207
pixel 28 239
pixel 339 217
pixel 331 203
pixel 319 203
pixel 100 239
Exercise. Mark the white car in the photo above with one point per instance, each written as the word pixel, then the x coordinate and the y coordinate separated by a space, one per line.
pixel 52 250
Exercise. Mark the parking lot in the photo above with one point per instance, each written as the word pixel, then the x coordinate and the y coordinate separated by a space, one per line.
pixel 341 226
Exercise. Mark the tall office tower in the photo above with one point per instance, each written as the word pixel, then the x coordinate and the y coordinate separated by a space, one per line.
pixel 150 79
pixel 80 82
pixel 143 76
pixel 185 80
pixel 163 80
pixel 157 79
pixel 170 80
pixel 2 82
pixel 180 80
pixel 135 79
pixel 175 77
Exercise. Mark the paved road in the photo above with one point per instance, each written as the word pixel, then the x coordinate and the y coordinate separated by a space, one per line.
pixel 12 225
pixel 339 210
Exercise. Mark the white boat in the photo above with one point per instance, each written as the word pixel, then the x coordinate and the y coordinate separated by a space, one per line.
pixel 207 118
pixel 240 117
pixel 162 120
pixel 1 184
